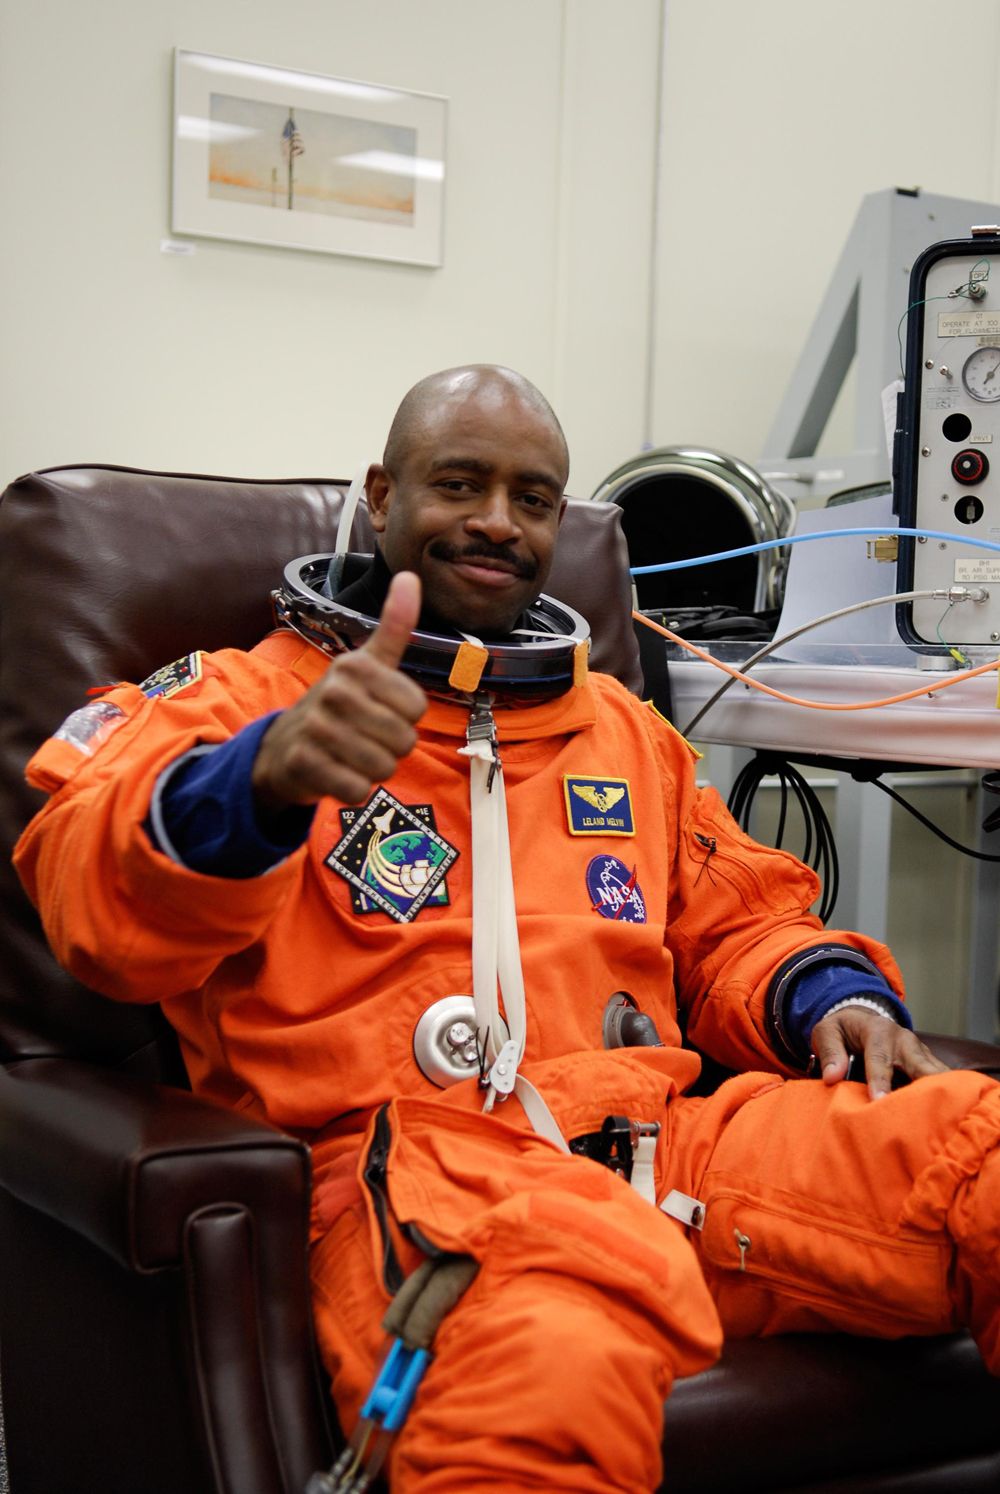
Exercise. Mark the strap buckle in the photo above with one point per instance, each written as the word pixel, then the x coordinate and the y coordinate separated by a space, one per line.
pixel 615 1144
pixel 483 728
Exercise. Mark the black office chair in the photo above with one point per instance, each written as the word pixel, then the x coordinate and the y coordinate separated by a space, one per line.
pixel 154 1311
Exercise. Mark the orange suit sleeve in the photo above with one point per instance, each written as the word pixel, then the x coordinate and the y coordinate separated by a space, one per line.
pixel 119 914
pixel 737 912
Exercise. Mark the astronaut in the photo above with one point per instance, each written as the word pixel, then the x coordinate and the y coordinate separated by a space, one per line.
pixel 304 858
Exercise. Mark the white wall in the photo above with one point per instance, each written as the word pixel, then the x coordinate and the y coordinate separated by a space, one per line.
pixel 774 119
pixel 777 116
pixel 258 361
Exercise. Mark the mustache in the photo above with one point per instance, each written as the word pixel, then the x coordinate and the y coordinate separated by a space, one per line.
pixel 526 569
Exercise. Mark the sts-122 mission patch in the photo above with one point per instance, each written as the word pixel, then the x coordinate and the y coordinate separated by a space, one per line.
pixel 393 857
pixel 174 677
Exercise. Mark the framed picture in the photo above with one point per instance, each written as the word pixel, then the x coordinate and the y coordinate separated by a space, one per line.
pixel 273 156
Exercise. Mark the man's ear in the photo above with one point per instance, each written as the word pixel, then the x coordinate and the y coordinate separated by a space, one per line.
pixel 562 508
pixel 378 485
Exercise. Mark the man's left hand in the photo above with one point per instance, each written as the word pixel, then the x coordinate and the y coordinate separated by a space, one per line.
pixel 884 1045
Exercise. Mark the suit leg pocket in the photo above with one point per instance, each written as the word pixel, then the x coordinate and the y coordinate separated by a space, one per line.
pixel 872 1281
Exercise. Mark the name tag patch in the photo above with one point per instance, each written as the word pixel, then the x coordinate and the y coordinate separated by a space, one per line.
pixel 393 857
pixel 174 677
pixel 598 806
pixel 614 890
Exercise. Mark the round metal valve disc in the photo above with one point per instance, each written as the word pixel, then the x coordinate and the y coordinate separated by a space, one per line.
pixel 444 1041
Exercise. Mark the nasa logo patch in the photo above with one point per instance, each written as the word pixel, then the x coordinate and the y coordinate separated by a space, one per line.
pixel 598 806
pixel 614 890
pixel 393 857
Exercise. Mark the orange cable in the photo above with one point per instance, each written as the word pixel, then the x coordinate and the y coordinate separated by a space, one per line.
pixel 817 705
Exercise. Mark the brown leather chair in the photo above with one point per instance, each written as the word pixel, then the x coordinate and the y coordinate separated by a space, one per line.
pixel 154 1313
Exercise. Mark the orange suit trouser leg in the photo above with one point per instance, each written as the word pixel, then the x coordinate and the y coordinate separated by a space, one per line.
pixel 826 1210
pixel 552 1370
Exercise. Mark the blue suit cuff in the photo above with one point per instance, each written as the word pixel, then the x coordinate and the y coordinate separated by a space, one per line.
pixel 809 984
pixel 203 816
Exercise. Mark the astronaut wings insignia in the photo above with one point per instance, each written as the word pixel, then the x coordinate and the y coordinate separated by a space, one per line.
pixel 600 799
pixel 598 806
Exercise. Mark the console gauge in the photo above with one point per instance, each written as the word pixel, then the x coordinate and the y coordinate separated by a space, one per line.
pixel 981 374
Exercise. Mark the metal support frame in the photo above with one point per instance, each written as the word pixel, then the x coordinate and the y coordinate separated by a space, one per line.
pixel 856 323
pixel 863 824
pixel 863 818
pixel 982 1012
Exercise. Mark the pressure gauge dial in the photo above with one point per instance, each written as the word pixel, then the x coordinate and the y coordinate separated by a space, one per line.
pixel 981 374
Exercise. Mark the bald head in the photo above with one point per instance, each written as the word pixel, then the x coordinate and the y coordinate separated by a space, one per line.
pixel 433 397
pixel 470 494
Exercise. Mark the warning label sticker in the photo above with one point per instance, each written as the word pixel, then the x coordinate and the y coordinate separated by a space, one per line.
pixel 979 571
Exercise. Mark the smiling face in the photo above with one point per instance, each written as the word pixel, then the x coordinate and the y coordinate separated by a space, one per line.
pixel 471 495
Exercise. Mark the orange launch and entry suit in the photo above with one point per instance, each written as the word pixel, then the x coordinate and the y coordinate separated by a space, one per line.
pixel 296 995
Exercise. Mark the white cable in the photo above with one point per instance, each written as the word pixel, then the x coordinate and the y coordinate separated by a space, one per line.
pixel 816 622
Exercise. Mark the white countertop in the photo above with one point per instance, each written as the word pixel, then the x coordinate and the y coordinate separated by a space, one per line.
pixel 955 727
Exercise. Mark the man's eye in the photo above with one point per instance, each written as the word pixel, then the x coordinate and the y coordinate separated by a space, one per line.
pixel 455 485
pixel 536 500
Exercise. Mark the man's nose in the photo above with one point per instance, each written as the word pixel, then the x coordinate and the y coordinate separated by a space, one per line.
pixel 495 516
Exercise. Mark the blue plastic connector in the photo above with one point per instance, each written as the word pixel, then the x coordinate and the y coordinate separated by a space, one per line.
pixel 391 1396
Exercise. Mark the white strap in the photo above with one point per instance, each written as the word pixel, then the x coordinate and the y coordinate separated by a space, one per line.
pixel 485 897
pixel 496 948
pixel 543 1122
pixel 509 972
pixel 643 1157
pixel 343 541
pixel 690 1211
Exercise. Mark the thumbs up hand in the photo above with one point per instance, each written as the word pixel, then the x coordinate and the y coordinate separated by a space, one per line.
pixel 350 729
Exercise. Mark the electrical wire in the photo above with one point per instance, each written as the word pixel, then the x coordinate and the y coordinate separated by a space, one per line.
pixel 819 851
pixel 967 288
pixel 817 705
pixel 990 784
pixel 802 539
pixel 775 643
pixel 953 649
pixel 823 857
pixel 929 824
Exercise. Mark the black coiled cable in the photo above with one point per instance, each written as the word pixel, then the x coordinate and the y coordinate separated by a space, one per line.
pixel 819 850
pixel 991 785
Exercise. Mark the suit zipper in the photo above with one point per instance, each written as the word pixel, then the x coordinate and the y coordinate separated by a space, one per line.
pixel 374 1175
pixel 710 846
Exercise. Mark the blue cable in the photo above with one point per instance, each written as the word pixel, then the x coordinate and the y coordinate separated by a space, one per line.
pixel 798 539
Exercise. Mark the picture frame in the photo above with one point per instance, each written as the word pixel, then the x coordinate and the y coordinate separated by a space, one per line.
pixel 297 160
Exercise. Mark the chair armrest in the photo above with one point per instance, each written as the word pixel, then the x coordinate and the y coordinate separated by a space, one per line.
pixel 817 1411
pixel 127 1163
pixel 964 1053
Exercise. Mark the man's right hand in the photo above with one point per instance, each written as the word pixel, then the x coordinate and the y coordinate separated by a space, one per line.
pixel 350 730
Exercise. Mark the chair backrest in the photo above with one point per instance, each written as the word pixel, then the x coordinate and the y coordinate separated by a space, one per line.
pixel 106 573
